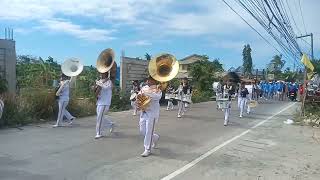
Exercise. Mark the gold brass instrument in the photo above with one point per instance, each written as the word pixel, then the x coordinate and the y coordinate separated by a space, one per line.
pixel 162 68
pixel 253 103
pixel 71 67
pixel 106 64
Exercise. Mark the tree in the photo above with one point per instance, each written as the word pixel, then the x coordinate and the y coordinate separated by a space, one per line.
pixel 247 60
pixel 147 56
pixel 276 64
pixel 316 64
pixel 36 72
pixel 203 73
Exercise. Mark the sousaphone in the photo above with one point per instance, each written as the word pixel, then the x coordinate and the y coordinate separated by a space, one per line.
pixel 72 67
pixel 106 63
pixel 162 68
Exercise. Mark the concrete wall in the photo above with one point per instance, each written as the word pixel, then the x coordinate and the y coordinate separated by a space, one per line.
pixel 132 69
pixel 10 63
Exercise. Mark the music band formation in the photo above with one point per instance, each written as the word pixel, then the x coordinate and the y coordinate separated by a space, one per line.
pixel 145 96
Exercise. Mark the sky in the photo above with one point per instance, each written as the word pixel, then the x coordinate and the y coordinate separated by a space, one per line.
pixel 82 29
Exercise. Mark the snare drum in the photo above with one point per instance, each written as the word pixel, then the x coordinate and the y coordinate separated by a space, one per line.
pixel 133 97
pixel 187 98
pixel 223 103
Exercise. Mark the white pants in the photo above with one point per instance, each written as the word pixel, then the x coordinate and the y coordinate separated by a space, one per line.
pixel 243 104
pixel 170 104
pixel 227 113
pixel 133 104
pixel 63 112
pixel 101 121
pixel 147 130
pixel 182 108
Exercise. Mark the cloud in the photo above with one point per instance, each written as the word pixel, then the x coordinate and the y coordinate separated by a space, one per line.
pixel 140 43
pixel 90 34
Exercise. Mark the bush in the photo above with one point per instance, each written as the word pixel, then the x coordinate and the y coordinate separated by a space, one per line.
pixel 13 112
pixel 120 100
pixel 201 96
pixel 80 107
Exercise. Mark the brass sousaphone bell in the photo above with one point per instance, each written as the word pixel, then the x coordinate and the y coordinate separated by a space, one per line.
pixel 106 64
pixel 162 68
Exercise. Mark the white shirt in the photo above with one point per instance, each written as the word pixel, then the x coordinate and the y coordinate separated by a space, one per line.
pixel 104 98
pixel 154 108
pixel 65 91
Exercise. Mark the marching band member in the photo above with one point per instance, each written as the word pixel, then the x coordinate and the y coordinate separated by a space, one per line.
pixel 249 97
pixel 180 97
pixel 103 93
pixel 243 98
pixel 187 89
pixel 63 96
pixel 227 93
pixel 150 116
pixel 135 90
pixel 169 95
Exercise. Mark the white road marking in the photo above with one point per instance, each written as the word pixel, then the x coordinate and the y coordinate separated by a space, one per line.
pixel 200 158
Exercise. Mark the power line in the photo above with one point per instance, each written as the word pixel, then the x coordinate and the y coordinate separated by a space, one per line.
pixel 260 19
pixel 251 26
pixel 302 17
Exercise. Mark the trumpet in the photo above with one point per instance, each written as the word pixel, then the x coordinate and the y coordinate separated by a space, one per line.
pixel 162 68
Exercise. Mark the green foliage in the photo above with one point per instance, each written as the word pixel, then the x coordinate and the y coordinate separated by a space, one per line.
pixel 201 96
pixel 36 72
pixel 316 64
pixel 147 56
pixel 204 73
pixel 3 85
pixel 120 100
pixel 247 60
pixel 275 66
pixel 30 106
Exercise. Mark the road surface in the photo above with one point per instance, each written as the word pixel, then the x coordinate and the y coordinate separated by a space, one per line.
pixel 198 146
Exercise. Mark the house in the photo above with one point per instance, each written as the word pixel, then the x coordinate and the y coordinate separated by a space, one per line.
pixel 185 64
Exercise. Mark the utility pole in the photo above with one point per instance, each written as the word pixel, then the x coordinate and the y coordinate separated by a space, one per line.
pixel 305 74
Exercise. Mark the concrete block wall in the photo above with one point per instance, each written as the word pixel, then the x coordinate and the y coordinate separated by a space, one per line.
pixel 132 69
pixel 10 63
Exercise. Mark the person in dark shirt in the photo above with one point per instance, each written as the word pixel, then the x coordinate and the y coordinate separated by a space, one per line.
pixel 243 95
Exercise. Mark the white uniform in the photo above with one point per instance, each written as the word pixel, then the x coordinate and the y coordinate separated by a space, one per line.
pixel 103 105
pixel 149 117
pixel 63 102
pixel 133 102
pixel 227 110
pixel 249 97
pixel 243 101
pixel 170 92
pixel 181 104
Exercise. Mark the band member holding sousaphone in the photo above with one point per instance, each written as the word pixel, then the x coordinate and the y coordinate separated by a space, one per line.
pixel 162 69
pixel 134 91
pixel 103 90
pixel 71 67
pixel 169 96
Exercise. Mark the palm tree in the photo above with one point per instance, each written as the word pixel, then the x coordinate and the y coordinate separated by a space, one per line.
pixel 147 56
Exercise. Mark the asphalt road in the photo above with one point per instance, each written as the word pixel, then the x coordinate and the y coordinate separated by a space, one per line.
pixel 40 152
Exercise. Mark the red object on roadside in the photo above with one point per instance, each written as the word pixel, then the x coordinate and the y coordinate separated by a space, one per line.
pixel 301 89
